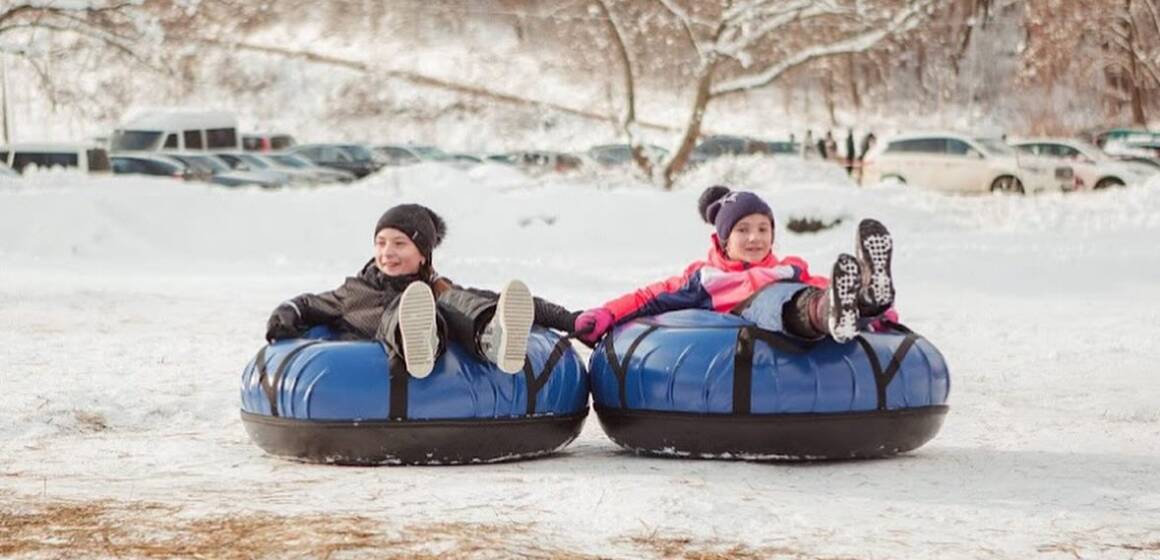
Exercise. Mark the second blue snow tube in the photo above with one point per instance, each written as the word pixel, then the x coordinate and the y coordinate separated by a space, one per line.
pixel 704 384
pixel 322 400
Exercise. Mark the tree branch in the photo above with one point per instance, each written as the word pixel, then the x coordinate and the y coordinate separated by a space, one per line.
pixel 686 23
pixel 903 20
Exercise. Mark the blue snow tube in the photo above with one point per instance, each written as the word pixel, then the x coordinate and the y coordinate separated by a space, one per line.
pixel 321 400
pixel 703 384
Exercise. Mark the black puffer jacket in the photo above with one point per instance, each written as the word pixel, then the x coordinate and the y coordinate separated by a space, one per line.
pixel 355 308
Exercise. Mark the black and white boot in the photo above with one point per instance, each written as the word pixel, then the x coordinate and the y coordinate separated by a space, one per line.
pixel 845 283
pixel 875 250
pixel 505 338
pixel 417 329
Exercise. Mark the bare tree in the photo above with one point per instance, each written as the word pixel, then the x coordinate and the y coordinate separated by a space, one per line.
pixel 40 30
pixel 1135 50
pixel 119 24
pixel 749 44
pixel 627 121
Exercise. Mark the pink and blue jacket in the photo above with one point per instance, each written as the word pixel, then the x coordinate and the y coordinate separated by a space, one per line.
pixel 718 283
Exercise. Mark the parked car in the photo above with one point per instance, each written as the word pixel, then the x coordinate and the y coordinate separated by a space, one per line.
pixel 262 142
pixel 409 154
pixel 615 155
pixel 323 174
pixel 462 160
pixel 1108 138
pixel 177 129
pixel 243 161
pixel 392 155
pixel 85 157
pixel 220 174
pixel 713 147
pixel 1145 164
pixel 354 158
pixel 1093 168
pixel 777 147
pixel 148 163
pixel 539 161
pixel 957 163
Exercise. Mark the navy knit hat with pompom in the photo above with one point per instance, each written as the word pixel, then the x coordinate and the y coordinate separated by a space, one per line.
pixel 723 208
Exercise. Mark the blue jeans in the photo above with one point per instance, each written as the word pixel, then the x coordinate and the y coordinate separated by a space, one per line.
pixel 765 307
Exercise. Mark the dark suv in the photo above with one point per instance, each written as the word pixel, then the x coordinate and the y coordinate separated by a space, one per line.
pixel 354 158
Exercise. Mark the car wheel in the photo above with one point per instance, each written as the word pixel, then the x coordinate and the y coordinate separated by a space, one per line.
pixel 1108 182
pixel 1008 185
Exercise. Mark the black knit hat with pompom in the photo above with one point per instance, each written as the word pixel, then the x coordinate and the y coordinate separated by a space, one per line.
pixel 723 208
pixel 425 228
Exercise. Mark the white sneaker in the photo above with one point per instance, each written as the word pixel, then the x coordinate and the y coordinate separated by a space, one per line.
pixel 505 338
pixel 417 329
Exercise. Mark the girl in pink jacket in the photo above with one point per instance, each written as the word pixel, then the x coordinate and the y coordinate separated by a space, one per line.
pixel 741 275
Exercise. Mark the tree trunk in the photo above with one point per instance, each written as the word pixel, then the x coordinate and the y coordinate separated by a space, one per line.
pixel 628 119
pixel 828 89
pixel 1138 116
pixel 693 128
pixel 852 70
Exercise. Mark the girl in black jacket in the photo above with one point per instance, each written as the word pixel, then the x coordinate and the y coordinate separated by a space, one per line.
pixel 398 298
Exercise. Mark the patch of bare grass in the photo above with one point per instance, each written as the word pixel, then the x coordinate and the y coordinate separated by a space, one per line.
pixel 90 422
pixel 39 529
pixel 687 548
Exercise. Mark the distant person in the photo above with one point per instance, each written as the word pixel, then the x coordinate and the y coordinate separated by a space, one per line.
pixel 867 145
pixel 851 156
pixel 831 147
pixel 822 147
pixel 808 145
pixel 398 299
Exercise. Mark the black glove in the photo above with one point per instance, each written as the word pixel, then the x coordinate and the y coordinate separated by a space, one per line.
pixel 284 323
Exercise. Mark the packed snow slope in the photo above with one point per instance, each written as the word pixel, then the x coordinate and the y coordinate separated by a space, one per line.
pixel 128 308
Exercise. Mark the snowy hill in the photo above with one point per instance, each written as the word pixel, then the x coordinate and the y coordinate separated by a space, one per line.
pixel 129 307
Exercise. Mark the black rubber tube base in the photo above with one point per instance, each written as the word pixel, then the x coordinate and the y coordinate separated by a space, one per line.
pixel 772 437
pixel 412 442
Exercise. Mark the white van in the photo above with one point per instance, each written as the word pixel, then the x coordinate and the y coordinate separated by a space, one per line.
pixel 177 130
pixel 25 157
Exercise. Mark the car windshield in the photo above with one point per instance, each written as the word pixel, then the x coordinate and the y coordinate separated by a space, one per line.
pixel 1090 150
pixel 254 161
pixel 211 162
pixel 292 161
pixel 430 152
pixel 135 140
pixel 359 153
pixel 613 153
pixel 995 147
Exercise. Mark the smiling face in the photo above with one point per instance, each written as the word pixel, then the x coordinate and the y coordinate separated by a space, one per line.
pixel 751 239
pixel 396 254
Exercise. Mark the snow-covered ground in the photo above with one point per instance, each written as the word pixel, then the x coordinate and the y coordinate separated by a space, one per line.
pixel 128 308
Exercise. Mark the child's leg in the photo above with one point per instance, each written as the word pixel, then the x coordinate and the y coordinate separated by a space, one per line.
pixel 410 329
pixel 505 338
pixel 492 327
pixel 875 249
pixel 768 308
pixel 811 312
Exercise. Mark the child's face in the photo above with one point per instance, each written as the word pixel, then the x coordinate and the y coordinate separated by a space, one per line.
pixel 396 254
pixel 751 239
